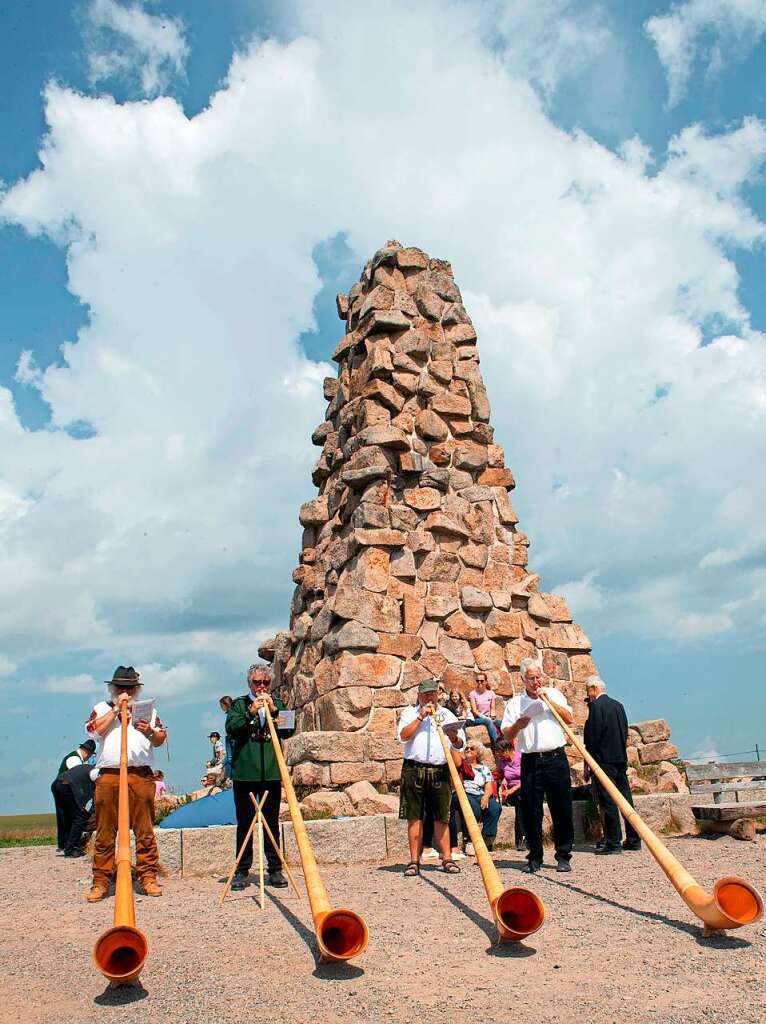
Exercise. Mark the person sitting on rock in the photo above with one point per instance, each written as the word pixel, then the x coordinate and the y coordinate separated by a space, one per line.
pixel 482 701
pixel 479 786
pixel 508 764
pixel 458 705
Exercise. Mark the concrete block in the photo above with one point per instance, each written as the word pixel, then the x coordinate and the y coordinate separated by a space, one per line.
pixel 208 851
pixel 397 847
pixel 340 840
pixel 169 844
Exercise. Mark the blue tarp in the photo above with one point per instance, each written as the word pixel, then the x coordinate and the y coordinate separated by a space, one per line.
pixel 208 810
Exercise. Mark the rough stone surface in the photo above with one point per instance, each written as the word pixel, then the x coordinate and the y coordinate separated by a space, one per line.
pixel 366 799
pixel 413 563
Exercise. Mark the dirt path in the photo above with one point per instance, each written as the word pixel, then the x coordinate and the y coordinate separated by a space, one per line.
pixel 618 945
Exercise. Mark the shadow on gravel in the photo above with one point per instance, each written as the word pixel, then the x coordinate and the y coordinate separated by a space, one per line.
pixel 695 930
pixel 121 995
pixel 328 972
pixel 514 950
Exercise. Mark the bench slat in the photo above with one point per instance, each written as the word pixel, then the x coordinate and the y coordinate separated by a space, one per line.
pixel 735 770
pixel 729 812
pixel 724 787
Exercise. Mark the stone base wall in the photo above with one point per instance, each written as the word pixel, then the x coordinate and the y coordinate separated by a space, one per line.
pixel 195 852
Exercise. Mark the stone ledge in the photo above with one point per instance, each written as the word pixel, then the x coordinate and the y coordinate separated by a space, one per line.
pixel 193 852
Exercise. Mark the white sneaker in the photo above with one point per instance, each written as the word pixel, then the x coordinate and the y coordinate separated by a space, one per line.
pixel 429 854
pixel 458 855
pixel 470 850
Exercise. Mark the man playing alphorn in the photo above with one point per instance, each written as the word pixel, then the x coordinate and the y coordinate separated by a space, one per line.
pixel 425 776
pixel 254 770
pixel 143 737
pixel 544 766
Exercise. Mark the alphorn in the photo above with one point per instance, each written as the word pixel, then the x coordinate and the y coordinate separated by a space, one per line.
pixel 733 902
pixel 518 912
pixel 341 934
pixel 120 951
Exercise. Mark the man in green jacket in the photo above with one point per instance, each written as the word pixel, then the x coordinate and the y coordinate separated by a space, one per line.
pixel 254 769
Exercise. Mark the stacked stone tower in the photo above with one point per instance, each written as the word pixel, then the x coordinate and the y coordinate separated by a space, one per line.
pixel 412 563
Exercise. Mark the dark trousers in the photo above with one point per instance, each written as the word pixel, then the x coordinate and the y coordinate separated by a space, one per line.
pixel 245 814
pixel 518 817
pixel 547 776
pixel 455 825
pixel 617 774
pixel 486 818
pixel 63 814
pixel 77 816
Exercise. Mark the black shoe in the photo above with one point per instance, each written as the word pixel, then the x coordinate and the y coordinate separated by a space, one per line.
pixel 490 843
pixel 531 867
pixel 601 844
pixel 74 853
pixel 277 879
pixel 602 850
pixel 631 846
pixel 240 882
pixel 563 865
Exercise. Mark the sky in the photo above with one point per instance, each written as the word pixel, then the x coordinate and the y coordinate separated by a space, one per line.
pixel 184 186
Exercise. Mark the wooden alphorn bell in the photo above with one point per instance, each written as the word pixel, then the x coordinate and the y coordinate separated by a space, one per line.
pixel 341 934
pixel 518 912
pixel 120 952
pixel 733 902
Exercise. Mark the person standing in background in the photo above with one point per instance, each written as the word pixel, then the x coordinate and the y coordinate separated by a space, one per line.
pixel 606 737
pixel 61 800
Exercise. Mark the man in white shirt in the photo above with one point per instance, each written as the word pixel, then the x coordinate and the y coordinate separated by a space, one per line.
pixel 425 781
pixel 544 766
pixel 143 737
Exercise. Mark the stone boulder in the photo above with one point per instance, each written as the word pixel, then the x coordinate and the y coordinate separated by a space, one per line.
pixel 366 799
pixel 327 802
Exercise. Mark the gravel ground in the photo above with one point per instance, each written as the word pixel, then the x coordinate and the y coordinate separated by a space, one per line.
pixel 618 944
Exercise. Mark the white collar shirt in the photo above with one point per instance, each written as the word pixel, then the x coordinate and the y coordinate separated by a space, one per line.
pixel 140 749
pixel 425 746
pixel 543 732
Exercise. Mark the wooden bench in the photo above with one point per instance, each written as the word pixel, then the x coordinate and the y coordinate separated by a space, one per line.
pixel 732 817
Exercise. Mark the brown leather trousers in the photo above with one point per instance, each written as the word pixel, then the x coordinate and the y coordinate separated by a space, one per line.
pixel 141 791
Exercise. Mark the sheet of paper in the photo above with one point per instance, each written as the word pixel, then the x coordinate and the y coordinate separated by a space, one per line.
pixel 143 710
pixel 533 709
pixel 286 720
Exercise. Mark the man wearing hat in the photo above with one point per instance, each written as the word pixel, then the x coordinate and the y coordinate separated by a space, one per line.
pixel 142 738
pixel 84 753
pixel 425 784
pixel 254 769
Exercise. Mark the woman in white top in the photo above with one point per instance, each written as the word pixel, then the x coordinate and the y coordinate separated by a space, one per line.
pixel 479 787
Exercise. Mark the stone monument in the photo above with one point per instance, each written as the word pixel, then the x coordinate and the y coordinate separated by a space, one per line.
pixel 412 562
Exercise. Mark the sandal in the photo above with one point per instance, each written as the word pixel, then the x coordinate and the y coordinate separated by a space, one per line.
pixel 450 867
pixel 412 869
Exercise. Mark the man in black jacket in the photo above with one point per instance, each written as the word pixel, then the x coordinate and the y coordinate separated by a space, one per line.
pixel 77 788
pixel 606 738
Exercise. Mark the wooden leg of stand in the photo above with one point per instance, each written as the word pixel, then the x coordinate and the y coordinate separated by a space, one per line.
pixel 279 854
pixel 261 892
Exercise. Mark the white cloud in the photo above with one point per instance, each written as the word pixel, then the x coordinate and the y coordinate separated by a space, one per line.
pixel 546 41
pixel 179 681
pixel 82 682
pixel 584 596
pixel 124 41
pixel 590 278
pixel 715 31
pixel 7 667
pixel 720 556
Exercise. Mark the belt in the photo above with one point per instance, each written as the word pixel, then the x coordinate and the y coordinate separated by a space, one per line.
pixel 140 770
pixel 545 753
pixel 409 763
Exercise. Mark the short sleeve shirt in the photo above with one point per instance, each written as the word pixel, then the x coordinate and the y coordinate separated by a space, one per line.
pixel 140 749
pixel 425 746
pixel 543 732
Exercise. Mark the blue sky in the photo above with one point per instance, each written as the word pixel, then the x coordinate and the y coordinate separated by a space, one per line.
pixel 214 173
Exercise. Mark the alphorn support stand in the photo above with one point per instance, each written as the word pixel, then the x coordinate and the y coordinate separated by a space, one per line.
pixel 265 826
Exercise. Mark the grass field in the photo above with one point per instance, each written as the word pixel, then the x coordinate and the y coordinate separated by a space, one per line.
pixel 27 830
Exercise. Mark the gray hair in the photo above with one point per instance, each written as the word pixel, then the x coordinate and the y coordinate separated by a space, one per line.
pixel 527 664
pixel 478 746
pixel 595 681
pixel 115 689
pixel 259 669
